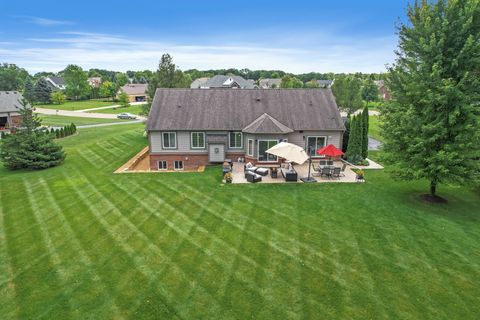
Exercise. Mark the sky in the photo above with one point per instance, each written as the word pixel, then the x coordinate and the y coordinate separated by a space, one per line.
pixel 294 36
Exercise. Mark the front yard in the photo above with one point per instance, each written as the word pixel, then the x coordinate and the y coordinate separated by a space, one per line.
pixel 79 242
pixel 77 105
pixel 131 109
pixel 60 121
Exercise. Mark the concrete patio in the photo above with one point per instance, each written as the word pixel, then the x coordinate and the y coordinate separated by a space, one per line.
pixel 302 170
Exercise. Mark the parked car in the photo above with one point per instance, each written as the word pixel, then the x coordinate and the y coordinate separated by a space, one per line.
pixel 126 115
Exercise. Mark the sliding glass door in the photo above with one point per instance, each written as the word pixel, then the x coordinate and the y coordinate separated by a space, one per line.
pixel 264 145
pixel 315 143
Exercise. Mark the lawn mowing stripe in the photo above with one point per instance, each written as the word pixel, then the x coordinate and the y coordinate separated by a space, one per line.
pixel 142 267
pixel 253 235
pixel 52 250
pixel 7 291
pixel 184 234
pixel 90 157
pixel 78 249
pixel 121 243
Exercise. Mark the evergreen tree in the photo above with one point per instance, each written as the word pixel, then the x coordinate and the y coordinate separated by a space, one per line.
pixel 354 149
pixel 42 91
pixel 431 126
pixel 365 132
pixel 346 134
pixel 30 147
pixel 29 90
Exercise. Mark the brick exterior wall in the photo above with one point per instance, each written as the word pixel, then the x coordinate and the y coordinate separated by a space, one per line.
pixel 15 120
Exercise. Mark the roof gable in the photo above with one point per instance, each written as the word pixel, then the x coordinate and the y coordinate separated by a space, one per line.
pixel 221 109
pixel 266 124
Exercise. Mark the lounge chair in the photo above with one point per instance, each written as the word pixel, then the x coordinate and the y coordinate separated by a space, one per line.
pixel 253 177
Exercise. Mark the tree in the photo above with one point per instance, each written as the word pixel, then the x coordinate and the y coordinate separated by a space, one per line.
pixel 312 84
pixel 57 97
pixel 108 89
pixel 354 149
pixel 347 92
pixel 42 91
pixel 431 126
pixel 291 82
pixel 76 81
pixel 121 79
pixel 369 91
pixel 30 147
pixel 124 100
pixel 364 119
pixel 346 134
pixel 29 90
pixel 12 78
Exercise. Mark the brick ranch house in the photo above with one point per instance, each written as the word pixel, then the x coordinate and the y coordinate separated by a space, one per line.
pixel 188 128
pixel 9 105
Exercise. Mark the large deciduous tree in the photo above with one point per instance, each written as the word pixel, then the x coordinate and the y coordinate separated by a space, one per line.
pixel 108 89
pixel 431 126
pixel 12 78
pixel 369 91
pixel 348 94
pixel 76 81
pixel 30 147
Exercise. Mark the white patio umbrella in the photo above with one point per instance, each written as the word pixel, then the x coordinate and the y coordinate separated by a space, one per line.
pixel 294 153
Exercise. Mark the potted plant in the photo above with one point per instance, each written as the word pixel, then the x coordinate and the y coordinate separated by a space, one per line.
pixel 228 177
pixel 360 175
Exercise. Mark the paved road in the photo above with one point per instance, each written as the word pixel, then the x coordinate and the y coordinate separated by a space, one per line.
pixel 374 144
pixel 68 113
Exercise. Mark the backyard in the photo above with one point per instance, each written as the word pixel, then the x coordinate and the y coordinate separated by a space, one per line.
pixel 77 105
pixel 79 242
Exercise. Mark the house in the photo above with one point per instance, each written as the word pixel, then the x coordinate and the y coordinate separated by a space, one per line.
pixel 56 83
pixel 270 83
pixel 95 82
pixel 199 83
pixel 384 93
pixel 137 92
pixel 325 83
pixel 228 82
pixel 188 128
pixel 9 105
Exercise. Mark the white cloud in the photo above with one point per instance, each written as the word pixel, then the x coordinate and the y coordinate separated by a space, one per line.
pixel 46 22
pixel 94 50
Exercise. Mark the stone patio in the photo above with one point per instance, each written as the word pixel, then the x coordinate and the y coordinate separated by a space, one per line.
pixel 302 170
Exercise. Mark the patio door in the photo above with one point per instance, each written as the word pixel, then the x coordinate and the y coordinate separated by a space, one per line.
pixel 315 143
pixel 264 145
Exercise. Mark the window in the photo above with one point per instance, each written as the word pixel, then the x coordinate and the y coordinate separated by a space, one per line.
pixel 178 164
pixel 198 140
pixel 315 143
pixel 162 165
pixel 250 147
pixel 169 140
pixel 235 139
pixel 264 145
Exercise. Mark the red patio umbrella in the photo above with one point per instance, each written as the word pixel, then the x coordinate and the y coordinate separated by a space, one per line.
pixel 330 151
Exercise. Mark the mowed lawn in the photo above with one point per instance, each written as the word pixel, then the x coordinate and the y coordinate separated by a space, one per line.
pixel 77 105
pixel 58 121
pixel 374 128
pixel 79 242
pixel 131 109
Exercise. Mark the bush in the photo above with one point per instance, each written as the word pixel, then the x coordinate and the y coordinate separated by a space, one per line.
pixel 228 177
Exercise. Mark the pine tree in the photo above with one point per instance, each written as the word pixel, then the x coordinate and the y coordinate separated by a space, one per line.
pixel 365 133
pixel 431 126
pixel 29 90
pixel 30 147
pixel 42 91
pixel 346 134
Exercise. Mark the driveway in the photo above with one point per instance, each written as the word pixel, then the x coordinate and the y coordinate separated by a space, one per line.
pixel 374 144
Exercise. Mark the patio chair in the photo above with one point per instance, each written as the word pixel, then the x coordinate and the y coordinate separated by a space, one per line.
pixel 323 163
pixel 343 170
pixel 316 170
pixel 336 172
pixel 329 162
pixel 326 172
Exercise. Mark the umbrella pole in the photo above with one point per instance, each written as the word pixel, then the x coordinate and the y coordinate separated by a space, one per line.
pixel 309 178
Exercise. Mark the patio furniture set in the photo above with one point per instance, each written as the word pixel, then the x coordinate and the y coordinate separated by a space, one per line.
pixel 327 169
pixel 254 174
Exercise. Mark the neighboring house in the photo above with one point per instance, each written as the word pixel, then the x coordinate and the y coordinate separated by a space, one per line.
pixel 383 91
pixel 229 82
pixel 325 83
pixel 56 83
pixel 137 92
pixel 95 82
pixel 199 83
pixel 188 128
pixel 9 105
pixel 270 83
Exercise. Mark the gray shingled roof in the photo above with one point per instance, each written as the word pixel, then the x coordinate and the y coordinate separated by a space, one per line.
pixel 268 83
pixel 10 101
pixel 220 109
pixel 219 80
pixel 59 81
pixel 266 124
pixel 199 82
pixel 135 88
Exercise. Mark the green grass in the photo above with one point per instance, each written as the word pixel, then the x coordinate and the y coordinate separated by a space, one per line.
pixel 79 242
pixel 59 121
pixel 374 128
pixel 78 105
pixel 131 109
